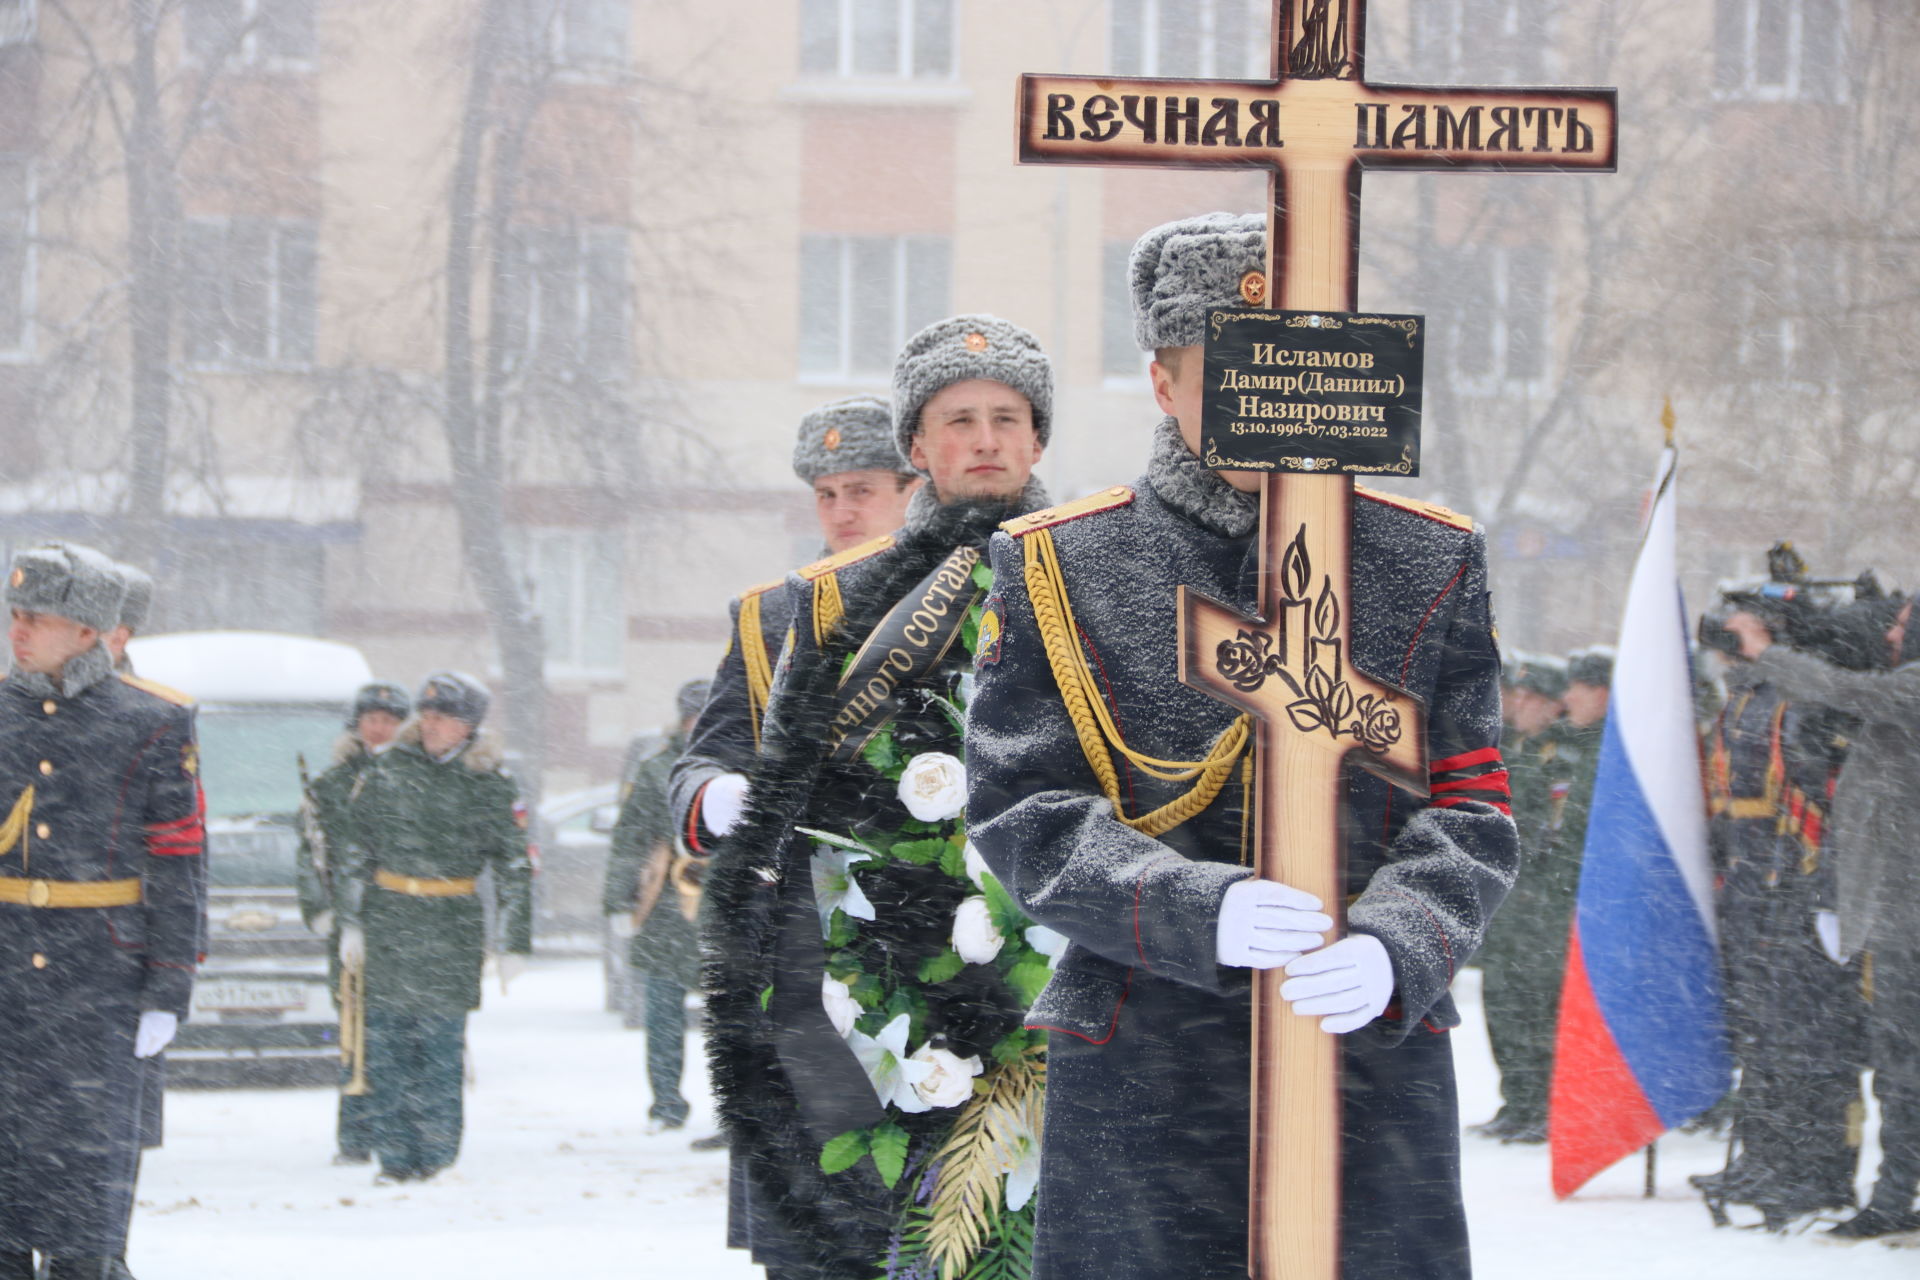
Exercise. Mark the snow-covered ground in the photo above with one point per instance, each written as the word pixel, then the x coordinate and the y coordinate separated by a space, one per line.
pixel 557 1178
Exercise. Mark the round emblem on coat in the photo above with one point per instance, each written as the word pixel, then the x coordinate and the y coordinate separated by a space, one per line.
pixel 975 341
pixel 832 440
pixel 1253 287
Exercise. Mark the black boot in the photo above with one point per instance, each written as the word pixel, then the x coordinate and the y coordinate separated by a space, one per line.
pixel 16 1266
pixel 1873 1222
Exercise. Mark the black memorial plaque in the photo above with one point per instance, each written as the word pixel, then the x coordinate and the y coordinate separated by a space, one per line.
pixel 1326 391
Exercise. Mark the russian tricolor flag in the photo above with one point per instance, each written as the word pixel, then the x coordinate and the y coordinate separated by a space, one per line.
pixel 1641 1045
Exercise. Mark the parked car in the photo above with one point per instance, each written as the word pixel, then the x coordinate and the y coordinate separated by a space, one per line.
pixel 262 1011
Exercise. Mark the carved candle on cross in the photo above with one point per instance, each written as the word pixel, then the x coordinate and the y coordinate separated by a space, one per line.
pixel 1314 127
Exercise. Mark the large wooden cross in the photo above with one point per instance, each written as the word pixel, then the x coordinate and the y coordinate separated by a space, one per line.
pixel 1314 127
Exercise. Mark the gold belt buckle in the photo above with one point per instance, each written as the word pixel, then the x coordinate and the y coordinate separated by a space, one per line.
pixel 39 893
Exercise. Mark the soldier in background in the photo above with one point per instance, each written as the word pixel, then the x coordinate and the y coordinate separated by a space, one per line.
pixel 651 898
pixel 861 487
pixel 435 810
pixel 102 909
pixel 379 709
pixel 1793 1017
pixel 1521 993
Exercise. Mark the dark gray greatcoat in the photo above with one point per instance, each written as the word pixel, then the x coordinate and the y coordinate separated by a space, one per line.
pixel 726 736
pixel 115 776
pixel 1144 1166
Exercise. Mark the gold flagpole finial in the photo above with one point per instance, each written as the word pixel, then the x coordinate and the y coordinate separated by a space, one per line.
pixel 1667 420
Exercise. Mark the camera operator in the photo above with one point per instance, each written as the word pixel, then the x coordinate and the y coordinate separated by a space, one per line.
pixel 1794 1018
pixel 1876 810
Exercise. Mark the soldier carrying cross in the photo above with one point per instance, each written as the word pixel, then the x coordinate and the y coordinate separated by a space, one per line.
pixel 1141 785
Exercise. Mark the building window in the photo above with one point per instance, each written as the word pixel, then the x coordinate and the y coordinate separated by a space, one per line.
pixel 16 21
pixel 896 39
pixel 1487 40
pixel 1218 39
pixel 248 289
pixel 569 297
pixel 862 297
pixel 1500 325
pixel 1780 50
pixel 251 31
pixel 1120 356
pixel 240 581
pixel 577 34
pixel 16 252
pixel 577 580
pixel 1779 307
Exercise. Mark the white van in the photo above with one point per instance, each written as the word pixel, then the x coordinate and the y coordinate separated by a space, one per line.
pixel 262 1010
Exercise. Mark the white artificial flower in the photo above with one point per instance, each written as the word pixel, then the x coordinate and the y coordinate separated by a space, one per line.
pixel 976 866
pixel 893 1073
pixel 951 1082
pixel 834 885
pixel 934 787
pixel 1048 943
pixel 842 1009
pixel 974 936
pixel 1020 1161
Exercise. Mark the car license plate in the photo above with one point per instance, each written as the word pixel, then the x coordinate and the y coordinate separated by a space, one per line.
pixel 237 994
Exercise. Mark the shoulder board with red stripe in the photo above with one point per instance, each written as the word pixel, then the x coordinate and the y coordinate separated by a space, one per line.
pixel 166 693
pixel 852 555
pixel 1426 510
pixel 760 589
pixel 1092 504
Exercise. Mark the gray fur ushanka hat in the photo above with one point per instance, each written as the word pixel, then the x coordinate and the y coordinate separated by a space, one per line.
pixel 68 581
pixel 137 605
pixel 960 349
pixel 854 434
pixel 1180 269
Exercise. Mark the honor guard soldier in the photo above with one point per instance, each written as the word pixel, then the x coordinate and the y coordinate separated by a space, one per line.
pixel 1523 958
pixel 972 411
pixel 1112 801
pixel 861 485
pixel 378 711
pixel 432 813
pixel 651 897
pixel 136 606
pixel 101 913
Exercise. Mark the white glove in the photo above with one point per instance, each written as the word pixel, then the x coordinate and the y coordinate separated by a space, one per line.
pixel 322 923
pixel 156 1031
pixel 620 925
pixel 353 946
pixel 1826 927
pixel 723 803
pixel 1346 985
pixel 1264 924
pixel 512 965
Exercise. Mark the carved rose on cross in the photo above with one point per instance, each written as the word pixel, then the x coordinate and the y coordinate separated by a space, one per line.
pixel 1379 726
pixel 934 787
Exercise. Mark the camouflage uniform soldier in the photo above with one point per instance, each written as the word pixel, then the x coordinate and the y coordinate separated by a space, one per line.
pixel 653 909
pixel 1521 991
pixel 433 813
pixel 378 712
pixel 1144 1162
pixel 102 909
